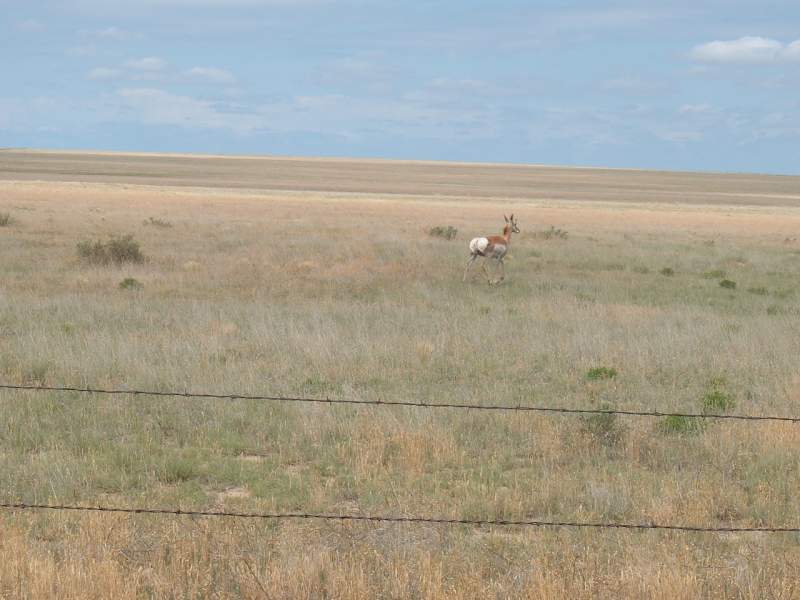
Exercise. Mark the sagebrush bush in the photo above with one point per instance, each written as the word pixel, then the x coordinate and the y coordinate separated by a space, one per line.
pixel 6 219
pixel 554 232
pixel 118 250
pixel 728 284
pixel 129 283
pixel 667 271
pixel 162 223
pixel 447 232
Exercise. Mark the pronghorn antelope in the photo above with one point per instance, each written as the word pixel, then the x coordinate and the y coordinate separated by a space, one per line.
pixel 492 247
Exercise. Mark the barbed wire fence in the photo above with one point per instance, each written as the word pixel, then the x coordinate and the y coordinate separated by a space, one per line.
pixel 395 518
pixel 405 403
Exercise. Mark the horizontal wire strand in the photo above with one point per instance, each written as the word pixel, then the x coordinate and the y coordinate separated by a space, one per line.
pixel 396 519
pixel 405 403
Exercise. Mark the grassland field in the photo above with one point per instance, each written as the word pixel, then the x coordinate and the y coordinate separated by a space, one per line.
pixel 322 279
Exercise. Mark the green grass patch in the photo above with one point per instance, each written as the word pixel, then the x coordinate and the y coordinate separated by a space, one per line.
pixel 129 283
pixel 678 425
pixel 597 373
pixel 718 401
pixel 715 274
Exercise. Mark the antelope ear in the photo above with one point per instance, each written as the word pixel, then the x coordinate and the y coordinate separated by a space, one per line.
pixel 512 217
pixel 506 218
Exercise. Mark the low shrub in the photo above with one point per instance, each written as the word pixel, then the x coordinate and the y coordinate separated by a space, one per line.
pixel 554 232
pixel 667 271
pixel 604 427
pixel 129 283
pixel 447 232
pixel 118 250
pixel 727 284
pixel 163 224
pixel 6 219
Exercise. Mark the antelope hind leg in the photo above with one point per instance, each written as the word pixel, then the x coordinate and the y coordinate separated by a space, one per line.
pixel 469 264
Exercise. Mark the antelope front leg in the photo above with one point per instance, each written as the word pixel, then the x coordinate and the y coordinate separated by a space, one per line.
pixel 502 270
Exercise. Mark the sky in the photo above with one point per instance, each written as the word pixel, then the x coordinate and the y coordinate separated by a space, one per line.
pixel 702 85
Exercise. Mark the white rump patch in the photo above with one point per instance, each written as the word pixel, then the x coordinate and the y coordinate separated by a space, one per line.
pixel 478 245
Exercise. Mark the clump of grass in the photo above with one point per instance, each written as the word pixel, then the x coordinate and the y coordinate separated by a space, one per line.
pixel 597 373
pixel 717 400
pixel 714 274
pixel 774 310
pixel 447 232
pixel 118 250
pixel 681 425
pixel 6 219
pixel 177 470
pixel 641 270
pixel 727 284
pixel 129 283
pixel 667 271
pixel 153 222
pixel 37 372
pixel 604 427
pixel 554 232
pixel 758 291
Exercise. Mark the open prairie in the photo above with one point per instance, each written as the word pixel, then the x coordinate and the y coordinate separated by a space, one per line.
pixel 625 289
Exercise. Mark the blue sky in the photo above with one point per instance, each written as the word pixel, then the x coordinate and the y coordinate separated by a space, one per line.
pixel 697 85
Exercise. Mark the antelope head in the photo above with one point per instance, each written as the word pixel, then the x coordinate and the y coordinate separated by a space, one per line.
pixel 512 222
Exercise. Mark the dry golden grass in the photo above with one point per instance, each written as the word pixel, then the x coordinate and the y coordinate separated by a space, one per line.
pixel 346 295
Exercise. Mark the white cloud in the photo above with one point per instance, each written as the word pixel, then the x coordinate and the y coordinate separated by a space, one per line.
pixel 149 63
pixel 792 51
pixel 89 50
pixel 210 74
pixel 101 73
pixel 30 26
pixel 633 85
pixel 679 136
pixel 695 109
pixel 109 33
pixel 154 106
pixel 746 50
pixel 333 114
